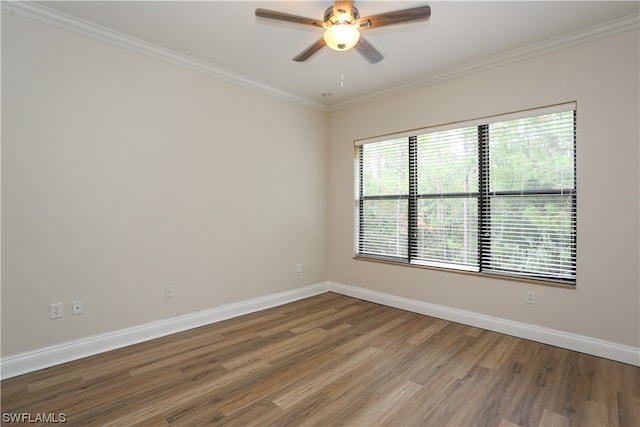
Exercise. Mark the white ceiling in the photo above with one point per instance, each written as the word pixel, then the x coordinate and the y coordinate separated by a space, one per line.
pixel 459 36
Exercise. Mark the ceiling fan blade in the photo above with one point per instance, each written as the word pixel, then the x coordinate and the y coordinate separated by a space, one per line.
pixel 282 16
pixel 369 52
pixel 399 16
pixel 305 54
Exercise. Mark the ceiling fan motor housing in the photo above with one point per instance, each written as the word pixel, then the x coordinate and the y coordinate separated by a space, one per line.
pixel 331 18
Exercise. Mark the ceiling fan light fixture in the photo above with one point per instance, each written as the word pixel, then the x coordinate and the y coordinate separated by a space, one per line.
pixel 342 25
pixel 341 36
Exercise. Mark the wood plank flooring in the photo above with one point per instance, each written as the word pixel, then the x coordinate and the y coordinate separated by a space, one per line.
pixel 332 360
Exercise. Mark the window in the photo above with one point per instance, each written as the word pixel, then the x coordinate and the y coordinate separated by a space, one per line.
pixel 493 196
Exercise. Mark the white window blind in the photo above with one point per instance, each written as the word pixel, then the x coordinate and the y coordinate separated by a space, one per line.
pixel 383 209
pixel 446 197
pixel 529 209
pixel 497 195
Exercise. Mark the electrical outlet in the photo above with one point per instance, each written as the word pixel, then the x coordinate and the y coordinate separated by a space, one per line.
pixel 531 297
pixel 299 268
pixel 169 291
pixel 76 307
pixel 55 310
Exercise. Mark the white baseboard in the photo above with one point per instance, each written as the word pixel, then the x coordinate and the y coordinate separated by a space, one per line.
pixel 22 363
pixel 584 344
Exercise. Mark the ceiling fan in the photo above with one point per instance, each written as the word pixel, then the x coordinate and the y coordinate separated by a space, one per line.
pixel 342 25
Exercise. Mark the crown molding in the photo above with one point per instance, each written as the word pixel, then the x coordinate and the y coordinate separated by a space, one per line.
pixel 103 34
pixel 601 31
pixel 97 32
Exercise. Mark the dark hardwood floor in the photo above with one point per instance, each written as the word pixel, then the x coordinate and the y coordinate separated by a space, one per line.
pixel 332 360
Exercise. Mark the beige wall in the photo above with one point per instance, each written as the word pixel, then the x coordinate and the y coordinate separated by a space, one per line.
pixel 602 77
pixel 122 174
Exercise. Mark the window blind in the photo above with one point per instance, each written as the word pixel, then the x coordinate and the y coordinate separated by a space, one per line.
pixel 446 198
pixel 529 208
pixel 384 201
pixel 497 195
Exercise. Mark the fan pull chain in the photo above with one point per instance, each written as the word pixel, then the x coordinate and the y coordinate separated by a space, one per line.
pixel 342 74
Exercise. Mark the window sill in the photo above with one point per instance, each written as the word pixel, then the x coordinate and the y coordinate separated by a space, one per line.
pixel 558 284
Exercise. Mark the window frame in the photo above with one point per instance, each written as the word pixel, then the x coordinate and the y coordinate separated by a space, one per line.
pixel 483 195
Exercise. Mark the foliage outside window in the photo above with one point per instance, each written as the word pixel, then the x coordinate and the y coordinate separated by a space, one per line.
pixel 495 196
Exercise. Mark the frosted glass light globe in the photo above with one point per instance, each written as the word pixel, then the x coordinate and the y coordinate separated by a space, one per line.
pixel 341 36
